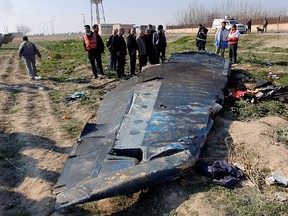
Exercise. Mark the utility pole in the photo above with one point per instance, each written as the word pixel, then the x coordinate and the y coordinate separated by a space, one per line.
pixel 52 25
pixel 3 25
pixel 84 21
pixel 91 12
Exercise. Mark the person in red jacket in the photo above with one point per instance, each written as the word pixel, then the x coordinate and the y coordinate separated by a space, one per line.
pixel 233 38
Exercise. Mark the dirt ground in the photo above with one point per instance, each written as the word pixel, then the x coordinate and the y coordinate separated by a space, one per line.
pixel 34 147
pixel 31 134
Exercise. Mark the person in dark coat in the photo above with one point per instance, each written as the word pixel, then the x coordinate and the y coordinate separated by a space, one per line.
pixel 28 50
pixel 99 50
pixel 201 37
pixel 151 51
pixel 113 57
pixel 142 50
pixel 265 24
pixel 160 44
pixel 249 24
pixel 119 46
pixel 132 49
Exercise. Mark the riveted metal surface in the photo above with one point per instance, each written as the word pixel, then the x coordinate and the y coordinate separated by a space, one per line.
pixel 149 130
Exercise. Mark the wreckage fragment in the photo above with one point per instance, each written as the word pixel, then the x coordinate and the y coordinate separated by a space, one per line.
pixel 149 130
pixel 6 38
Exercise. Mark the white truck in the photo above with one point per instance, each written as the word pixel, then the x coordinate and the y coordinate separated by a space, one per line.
pixel 229 23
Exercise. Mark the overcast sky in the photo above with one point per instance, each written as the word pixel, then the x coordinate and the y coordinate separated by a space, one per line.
pixel 67 15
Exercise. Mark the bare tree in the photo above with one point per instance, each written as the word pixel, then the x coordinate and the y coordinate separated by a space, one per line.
pixel 199 12
pixel 23 29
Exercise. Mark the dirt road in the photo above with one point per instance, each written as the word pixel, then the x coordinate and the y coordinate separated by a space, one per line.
pixel 31 139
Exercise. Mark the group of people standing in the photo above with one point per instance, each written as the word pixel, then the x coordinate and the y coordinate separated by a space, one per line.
pixel 223 39
pixel 150 46
pixel 249 25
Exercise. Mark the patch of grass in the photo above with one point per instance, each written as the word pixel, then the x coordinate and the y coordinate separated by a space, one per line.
pixel 182 44
pixel 280 135
pixel 92 98
pixel 73 127
pixel 18 213
pixel 282 81
pixel 56 96
pixel 245 111
pixel 63 57
pixel 249 57
pixel 189 43
pixel 4 154
pixel 10 189
pixel 258 75
pixel 10 146
pixel 45 132
pixel 276 49
pixel 246 201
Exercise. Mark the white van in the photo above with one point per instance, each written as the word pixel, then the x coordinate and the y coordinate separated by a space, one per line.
pixel 229 23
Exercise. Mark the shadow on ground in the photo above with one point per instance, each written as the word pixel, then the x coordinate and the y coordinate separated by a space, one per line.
pixel 15 167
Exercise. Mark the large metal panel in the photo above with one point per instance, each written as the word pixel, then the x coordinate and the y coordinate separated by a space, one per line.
pixel 149 130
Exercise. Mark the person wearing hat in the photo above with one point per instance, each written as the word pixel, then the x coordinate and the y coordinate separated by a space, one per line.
pixel 233 38
pixel 221 42
pixel 160 44
pixel 28 50
pixel 89 43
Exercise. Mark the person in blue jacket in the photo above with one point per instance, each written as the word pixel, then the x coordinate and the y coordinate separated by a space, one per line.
pixel 221 42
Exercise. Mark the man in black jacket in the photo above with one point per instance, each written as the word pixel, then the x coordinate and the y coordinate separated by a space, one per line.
pixel 160 43
pixel 99 50
pixel 132 48
pixel 201 37
pixel 119 46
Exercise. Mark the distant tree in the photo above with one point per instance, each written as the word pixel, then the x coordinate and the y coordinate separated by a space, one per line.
pixel 201 12
pixel 23 29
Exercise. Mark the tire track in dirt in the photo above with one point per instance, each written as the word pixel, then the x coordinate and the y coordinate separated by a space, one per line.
pixel 40 142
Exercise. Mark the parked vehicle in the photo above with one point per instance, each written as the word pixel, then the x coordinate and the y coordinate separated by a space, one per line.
pixel 229 23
